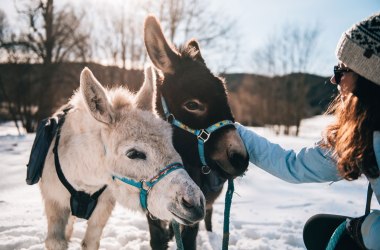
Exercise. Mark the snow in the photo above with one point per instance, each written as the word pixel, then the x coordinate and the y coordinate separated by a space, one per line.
pixel 266 213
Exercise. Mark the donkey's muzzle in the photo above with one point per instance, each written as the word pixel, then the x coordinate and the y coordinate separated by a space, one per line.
pixel 196 209
pixel 191 208
pixel 229 153
pixel 239 160
pixel 192 212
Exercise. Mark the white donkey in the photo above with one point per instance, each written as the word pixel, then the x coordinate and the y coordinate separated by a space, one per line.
pixel 105 139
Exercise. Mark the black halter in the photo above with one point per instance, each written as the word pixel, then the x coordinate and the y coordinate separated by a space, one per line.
pixel 82 204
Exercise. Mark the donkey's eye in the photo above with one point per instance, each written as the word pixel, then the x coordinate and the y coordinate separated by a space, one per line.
pixel 195 107
pixel 192 105
pixel 134 154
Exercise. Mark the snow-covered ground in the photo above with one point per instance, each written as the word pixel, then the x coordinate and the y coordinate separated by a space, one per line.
pixel 266 213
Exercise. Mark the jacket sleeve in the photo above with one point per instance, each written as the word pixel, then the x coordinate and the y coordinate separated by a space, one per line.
pixel 310 164
pixel 313 164
pixel 375 183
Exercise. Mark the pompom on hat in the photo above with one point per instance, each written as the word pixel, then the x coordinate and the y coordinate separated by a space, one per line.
pixel 359 48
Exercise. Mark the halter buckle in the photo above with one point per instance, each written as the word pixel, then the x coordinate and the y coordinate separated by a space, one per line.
pixel 145 186
pixel 203 135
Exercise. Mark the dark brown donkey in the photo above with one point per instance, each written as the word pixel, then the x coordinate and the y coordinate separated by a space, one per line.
pixel 198 99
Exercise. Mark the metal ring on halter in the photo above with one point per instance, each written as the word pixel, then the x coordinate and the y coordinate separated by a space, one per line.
pixel 206 169
pixel 170 118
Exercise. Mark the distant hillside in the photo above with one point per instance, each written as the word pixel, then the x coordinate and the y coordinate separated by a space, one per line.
pixel 255 99
pixel 66 78
pixel 31 92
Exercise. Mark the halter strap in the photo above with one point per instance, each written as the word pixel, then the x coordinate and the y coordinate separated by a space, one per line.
pixel 202 134
pixel 146 186
pixel 57 163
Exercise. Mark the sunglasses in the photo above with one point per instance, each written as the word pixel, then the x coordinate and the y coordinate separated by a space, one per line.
pixel 338 73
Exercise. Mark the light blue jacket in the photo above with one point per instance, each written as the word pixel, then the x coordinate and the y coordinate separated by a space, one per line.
pixel 313 164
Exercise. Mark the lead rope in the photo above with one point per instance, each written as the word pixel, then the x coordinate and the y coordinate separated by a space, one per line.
pixel 177 235
pixel 336 236
pixel 340 229
pixel 227 209
pixel 226 226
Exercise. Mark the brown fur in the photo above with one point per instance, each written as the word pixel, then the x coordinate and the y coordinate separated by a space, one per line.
pixel 186 79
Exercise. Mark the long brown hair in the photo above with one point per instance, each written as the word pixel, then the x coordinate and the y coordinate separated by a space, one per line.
pixel 351 136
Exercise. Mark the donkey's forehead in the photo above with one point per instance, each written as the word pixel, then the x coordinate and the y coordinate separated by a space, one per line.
pixel 196 81
pixel 138 123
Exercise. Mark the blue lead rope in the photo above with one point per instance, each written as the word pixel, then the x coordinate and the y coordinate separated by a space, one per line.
pixel 227 209
pixel 341 228
pixel 177 235
pixel 336 236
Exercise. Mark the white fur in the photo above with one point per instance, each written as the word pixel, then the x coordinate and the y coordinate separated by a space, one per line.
pixel 98 131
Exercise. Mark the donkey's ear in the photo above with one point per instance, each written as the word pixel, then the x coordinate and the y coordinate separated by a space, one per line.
pixel 194 51
pixel 159 50
pixel 95 97
pixel 145 96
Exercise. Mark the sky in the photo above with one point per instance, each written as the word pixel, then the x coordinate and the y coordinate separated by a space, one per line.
pixel 257 20
pixel 266 213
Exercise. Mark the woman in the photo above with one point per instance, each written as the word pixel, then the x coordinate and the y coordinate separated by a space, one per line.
pixel 350 147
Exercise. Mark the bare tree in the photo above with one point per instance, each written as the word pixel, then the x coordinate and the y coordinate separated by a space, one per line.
pixel 118 37
pixel 290 51
pixel 53 35
pixel 128 26
pixel 3 24
pixel 5 102
pixel 9 51
pixel 20 106
pixel 48 38
pixel 121 38
pixel 120 30
pixel 213 28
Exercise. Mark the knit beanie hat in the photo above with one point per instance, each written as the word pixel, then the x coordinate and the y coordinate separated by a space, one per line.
pixel 359 48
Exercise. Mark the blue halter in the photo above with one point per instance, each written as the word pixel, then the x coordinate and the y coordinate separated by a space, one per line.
pixel 146 186
pixel 202 134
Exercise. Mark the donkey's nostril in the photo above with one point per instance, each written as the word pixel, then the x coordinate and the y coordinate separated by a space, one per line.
pixel 187 204
pixel 238 160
